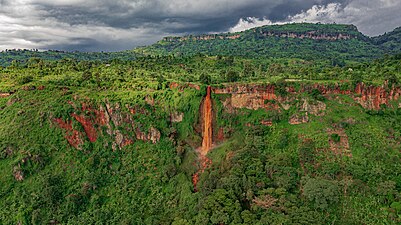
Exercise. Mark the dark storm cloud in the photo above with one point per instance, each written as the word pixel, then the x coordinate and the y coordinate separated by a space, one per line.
pixel 193 16
pixel 94 25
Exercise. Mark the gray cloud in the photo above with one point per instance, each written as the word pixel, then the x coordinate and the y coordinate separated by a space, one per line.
pixel 96 25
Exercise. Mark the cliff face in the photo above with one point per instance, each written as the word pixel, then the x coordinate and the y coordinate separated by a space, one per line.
pixel 369 97
pixel 119 125
pixel 373 97
pixel 264 96
pixel 202 38
pixel 309 35
pixel 249 96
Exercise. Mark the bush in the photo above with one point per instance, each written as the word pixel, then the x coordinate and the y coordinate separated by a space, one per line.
pixel 205 79
pixel 317 94
pixel 281 87
pixel 24 79
pixel 321 192
pixel 336 138
pixel 232 76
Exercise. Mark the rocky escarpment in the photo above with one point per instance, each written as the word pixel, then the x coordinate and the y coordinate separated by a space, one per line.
pixel 202 38
pixel 368 96
pixel 280 34
pixel 308 35
pixel 108 119
pixel 119 123
pixel 265 96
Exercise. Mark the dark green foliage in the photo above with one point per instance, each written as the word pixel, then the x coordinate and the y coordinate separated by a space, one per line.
pixel 231 76
pixel 390 41
pixel 24 79
pixel 336 138
pixel 205 78
pixel 317 94
pixel 323 193
pixel 24 57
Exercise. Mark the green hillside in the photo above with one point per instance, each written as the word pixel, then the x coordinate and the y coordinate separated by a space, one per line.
pixel 18 57
pixel 295 142
pixel 306 41
pixel 390 41
pixel 293 124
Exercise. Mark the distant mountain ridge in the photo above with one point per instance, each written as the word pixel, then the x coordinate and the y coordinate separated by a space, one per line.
pixel 298 40
pixel 391 41
pixel 312 31
pixel 307 41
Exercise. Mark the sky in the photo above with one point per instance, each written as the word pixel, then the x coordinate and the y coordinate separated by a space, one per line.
pixel 114 25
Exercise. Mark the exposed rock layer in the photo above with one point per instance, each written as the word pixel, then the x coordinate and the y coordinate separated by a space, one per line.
pixel 118 124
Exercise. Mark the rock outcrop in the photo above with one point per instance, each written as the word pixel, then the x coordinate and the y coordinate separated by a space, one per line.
pixel 176 117
pixel 315 35
pixel 5 95
pixel 297 119
pixel 249 96
pixel 264 97
pixel 118 124
pixel 338 141
pixel 372 97
pixel 308 35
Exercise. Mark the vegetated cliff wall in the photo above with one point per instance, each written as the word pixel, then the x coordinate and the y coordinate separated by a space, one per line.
pixel 369 97
pixel 265 96
pixel 281 34
pixel 119 125
pixel 309 35
pixel 110 119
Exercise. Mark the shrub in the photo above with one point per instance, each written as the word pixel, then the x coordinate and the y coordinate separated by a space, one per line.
pixel 205 78
pixel 321 192
pixel 24 79
pixel 336 138
pixel 317 94
pixel 232 76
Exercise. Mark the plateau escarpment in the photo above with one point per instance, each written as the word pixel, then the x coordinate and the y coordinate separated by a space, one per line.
pixel 314 35
pixel 303 41
pixel 266 97
pixel 125 124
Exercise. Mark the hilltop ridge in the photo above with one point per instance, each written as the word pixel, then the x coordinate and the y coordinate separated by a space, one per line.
pixel 297 40
pixel 294 30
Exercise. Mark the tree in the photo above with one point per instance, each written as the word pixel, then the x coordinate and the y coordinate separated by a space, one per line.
pixel 205 78
pixel 232 76
pixel 321 192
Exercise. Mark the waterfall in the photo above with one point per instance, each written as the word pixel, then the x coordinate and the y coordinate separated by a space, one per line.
pixel 207 113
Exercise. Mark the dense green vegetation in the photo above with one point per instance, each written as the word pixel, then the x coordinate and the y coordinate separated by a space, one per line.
pixel 306 41
pixel 391 41
pixel 342 166
pixel 17 57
